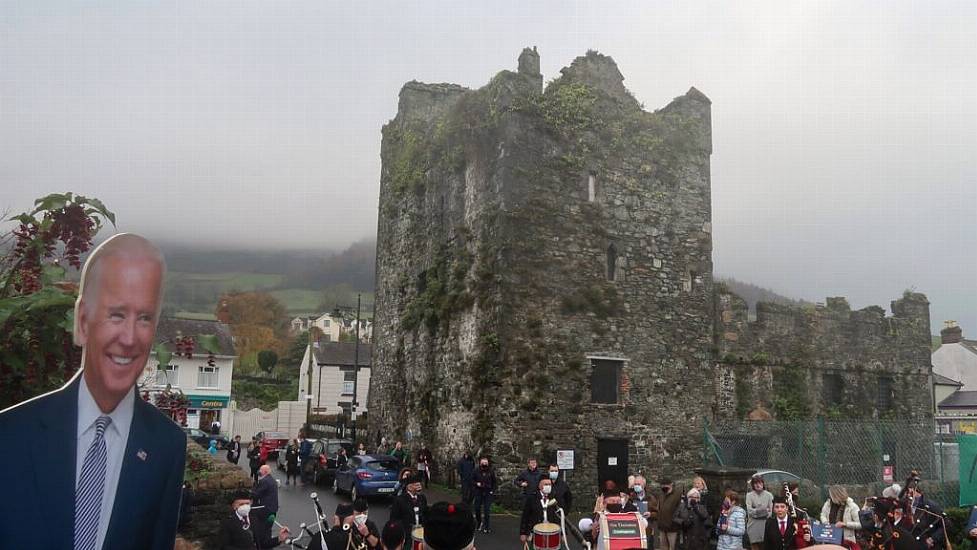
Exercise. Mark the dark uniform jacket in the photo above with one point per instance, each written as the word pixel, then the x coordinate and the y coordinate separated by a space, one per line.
pixel 234 535
pixel 532 512
pixel 561 492
pixel 402 510
pixel 772 540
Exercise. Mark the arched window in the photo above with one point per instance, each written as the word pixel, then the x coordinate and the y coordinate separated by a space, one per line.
pixel 611 262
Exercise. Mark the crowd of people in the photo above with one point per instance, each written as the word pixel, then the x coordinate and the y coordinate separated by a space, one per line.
pixel 672 517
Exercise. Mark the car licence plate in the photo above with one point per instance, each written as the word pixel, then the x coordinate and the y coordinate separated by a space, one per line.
pixel 385 490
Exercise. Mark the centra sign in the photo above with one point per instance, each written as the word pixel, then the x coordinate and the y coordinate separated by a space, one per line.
pixel 208 401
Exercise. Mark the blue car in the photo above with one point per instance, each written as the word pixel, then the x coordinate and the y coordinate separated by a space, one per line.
pixel 367 475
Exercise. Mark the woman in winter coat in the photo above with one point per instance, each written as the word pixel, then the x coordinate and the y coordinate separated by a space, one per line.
pixel 759 504
pixel 842 512
pixel 693 520
pixel 732 523
pixel 254 459
pixel 292 463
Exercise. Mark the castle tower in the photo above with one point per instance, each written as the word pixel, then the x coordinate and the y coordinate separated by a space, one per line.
pixel 544 273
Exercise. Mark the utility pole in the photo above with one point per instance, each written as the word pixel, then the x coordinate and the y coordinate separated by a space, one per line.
pixel 356 356
pixel 308 393
pixel 356 361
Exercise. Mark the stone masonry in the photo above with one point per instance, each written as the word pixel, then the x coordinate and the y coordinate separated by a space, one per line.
pixel 544 250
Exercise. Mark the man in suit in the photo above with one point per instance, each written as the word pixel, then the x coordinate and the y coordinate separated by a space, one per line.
pixel 102 469
pixel 237 529
pixel 265 496
pixel 780 531
pixel 538 509
pixel 410 508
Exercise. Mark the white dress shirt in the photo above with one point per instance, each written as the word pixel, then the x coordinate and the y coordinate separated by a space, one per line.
pixel 116 438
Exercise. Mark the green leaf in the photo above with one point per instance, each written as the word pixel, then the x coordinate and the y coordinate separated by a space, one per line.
pixel 99 207
pixel 163 355
pixel 54 201
pixel 68 323
pixel 209 343
pixel 52 274
pixel 49 297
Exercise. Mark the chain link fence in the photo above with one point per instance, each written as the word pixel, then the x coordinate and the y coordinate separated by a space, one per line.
pixel 855 454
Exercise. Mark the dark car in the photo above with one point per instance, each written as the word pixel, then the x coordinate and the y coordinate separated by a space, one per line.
pixel 203 438
pixel 322 463
pixel 367 475
pixel 775 479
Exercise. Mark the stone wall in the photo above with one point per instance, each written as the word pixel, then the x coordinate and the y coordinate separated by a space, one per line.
pixel 789 353
pixel 493 287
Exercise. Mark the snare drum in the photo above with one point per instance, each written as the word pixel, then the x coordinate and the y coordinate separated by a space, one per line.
pixel 417 538
pixel 546 536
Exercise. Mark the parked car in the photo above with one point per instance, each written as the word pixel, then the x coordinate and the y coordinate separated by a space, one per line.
pixel 203 438
pixel 775 479
pixel 271 443
pixel 367 475
pixel 322 467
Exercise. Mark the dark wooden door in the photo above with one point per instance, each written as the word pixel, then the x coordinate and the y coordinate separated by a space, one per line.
pixel 612 462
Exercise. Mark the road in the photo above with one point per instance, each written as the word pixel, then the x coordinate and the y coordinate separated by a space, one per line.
pixel 296 507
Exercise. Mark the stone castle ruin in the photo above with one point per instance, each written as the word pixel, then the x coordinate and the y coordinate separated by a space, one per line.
pixel 544 282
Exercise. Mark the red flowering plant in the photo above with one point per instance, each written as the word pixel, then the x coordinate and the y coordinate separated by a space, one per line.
pixel 37 299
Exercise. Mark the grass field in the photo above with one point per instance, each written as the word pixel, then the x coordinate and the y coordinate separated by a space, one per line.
pixel 194 295
pixel 298 300
pixel 228 281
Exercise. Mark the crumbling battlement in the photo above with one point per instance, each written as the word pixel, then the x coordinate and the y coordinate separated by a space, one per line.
pixel 825 359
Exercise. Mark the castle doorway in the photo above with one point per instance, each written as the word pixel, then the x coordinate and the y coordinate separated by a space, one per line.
pixel 612 461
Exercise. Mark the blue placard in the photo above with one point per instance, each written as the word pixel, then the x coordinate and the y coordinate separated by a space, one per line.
pixel 826 534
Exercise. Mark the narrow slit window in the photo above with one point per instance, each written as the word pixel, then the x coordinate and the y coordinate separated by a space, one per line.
pixel 611 262
pixel 591 187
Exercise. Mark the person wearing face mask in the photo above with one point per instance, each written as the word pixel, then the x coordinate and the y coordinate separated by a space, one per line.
pixel 360 521
pixel 692 519
pixel 236 529
pixel 612 504
pixel 669 502
pixel 646 504
pixel 484 483
pixel 540 508
pixel 410 508
pixel 561 491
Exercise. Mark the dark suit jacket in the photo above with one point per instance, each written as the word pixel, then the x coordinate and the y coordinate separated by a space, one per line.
pixel 771 535
pixel 266 494
pixel 402 510
pixel 532 513
pixel 38 508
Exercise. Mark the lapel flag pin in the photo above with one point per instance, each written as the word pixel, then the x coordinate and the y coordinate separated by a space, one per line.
pixel 142 455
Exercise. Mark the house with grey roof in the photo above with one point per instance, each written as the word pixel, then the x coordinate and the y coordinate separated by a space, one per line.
pixel 955 381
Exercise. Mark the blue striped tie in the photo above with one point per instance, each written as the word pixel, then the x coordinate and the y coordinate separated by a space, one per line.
pixel 88 495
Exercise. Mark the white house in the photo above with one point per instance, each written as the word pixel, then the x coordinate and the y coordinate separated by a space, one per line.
pixel 208 387
pixel 333 375
pixel 955 381
pixel 333 327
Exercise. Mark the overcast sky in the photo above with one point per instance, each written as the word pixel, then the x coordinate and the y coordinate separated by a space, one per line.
pixel 844 135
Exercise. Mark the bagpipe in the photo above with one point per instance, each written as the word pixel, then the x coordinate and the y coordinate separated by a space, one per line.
pixel 917 524
pixel 801 519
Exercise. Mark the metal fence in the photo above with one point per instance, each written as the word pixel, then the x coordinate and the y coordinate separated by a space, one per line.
pixel 854 454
